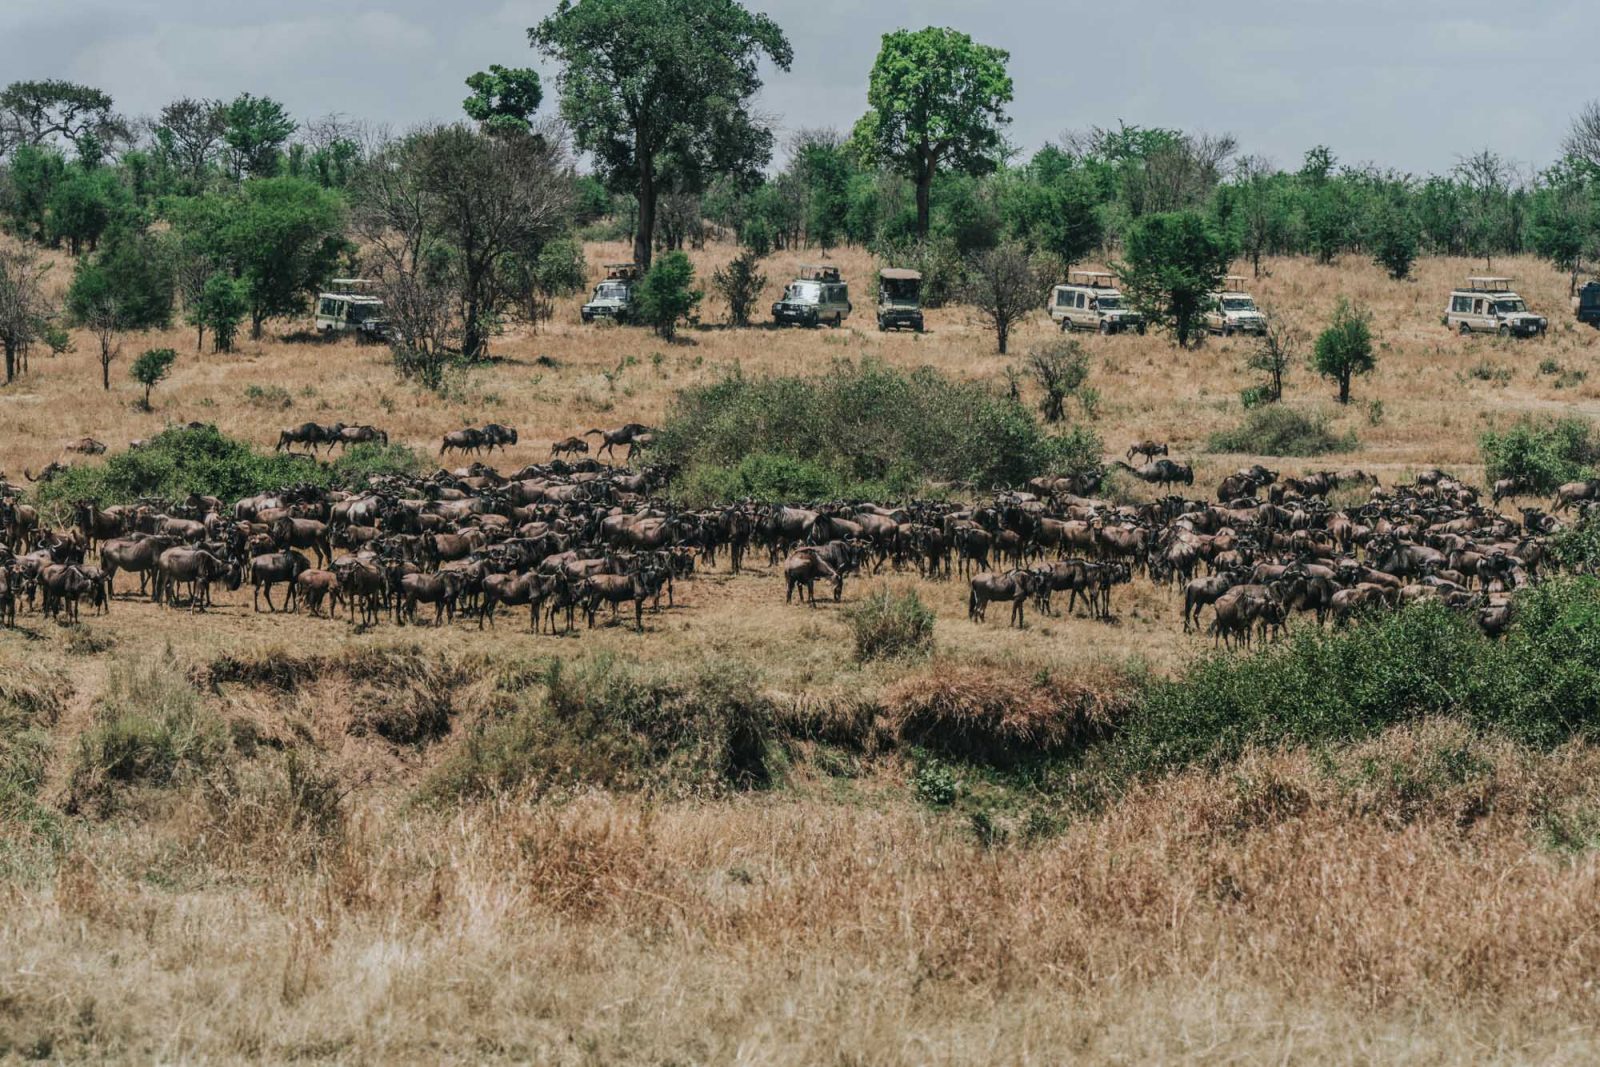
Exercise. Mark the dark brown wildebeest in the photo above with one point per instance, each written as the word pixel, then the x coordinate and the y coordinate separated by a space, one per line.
pixel 63 586
pixel 309 434
pixel 622 435
pixel 136 554
pixel 268 570
pixel 467 440
pixel 1148 449
pixel 85 446
pixel 313 587
pixel 359 435
pixel 569 446
pixel 614 589
pixel 440 590
pixel 497 436
pixel 1015 586
pixel 195 567
pixel 303 533
pixel 802 570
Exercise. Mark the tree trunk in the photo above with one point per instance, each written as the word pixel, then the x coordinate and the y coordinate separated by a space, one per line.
pixel 1344 389
pixel 11 361
pixel 200 338
pixel 924 190
pixel 256 319
pixel 1002 329
pixel 644 237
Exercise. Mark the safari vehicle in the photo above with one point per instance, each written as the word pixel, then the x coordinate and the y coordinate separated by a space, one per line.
pixel 1234 310
pixel 1586 305
pixel 1488 305
pixel 899 299
pixel 347 309
pixel 817 296
pixel 1090 301
pixel 613 297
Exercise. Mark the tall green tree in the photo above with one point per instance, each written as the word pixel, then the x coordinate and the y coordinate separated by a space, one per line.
pixel 150 369
pixel 645 83
pixel 1344 349
pixel 504 99
pixel 189 136
pixel 935 99
pixel 1174 262
pixel 281 237
pixel 1394 240
pixel 35 173
pixel 255 130
pixel 667 294
pixel 82 205
pixel 133 271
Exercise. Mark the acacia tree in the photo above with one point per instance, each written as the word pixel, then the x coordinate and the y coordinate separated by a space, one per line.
pixel 935 99
pixel 1174 263
pixel 35 112
pixel 652 85
pixel 1003 285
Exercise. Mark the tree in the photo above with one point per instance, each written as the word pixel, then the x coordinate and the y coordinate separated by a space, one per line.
pixel 1487 180
pixel 82 205
pixel 1275 352
pixel 1061 367
pixel 504 99
pixel 1003 285
pixel 1394 241
pixel 25 309
pixel 134 268
pixel 150 368
pixel 1344 349
pixel 221 306
pixel 95 305
pixel 452 214
pixel 1174 263
pixel 648 82
pixel 1564 223
pixel 560 270
pixel 740 284
pixel 1260 209
pixel 666 295
pixel 34 175
pixel 189 134
pixel 255 131
pixel 935 98
pixel 1583 136
pixel 34 112
pixel 282 237
pixel 1053 205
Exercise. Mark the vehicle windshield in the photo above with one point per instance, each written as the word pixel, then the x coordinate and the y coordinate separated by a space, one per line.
pixel 900 292
pixel 1109 303
pixel 1238 303
pixel 804 292
pixel 361 313
pixel 611 291
pixel 1509 307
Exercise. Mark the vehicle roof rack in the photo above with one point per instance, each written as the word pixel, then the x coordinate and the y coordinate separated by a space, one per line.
pixel 622 271
pixel 1233 283
pixel 900 274
pixel 1488 284
pixel 818 272
pixel 1095 279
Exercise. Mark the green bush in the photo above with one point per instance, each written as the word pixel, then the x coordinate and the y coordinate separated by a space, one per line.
pixel 863 424
pixel 936 785
pixel 667 295
pixel 887 626
pixel 1542 453
pixel 1541 684
pixel 180 461
pixel 1276 430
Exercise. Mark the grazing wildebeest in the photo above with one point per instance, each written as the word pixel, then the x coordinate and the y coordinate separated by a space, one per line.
pixel 569 446
pixel 1014 586
pixel 802 570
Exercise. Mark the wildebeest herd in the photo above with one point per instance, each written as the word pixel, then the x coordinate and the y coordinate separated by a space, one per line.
pixel 569 537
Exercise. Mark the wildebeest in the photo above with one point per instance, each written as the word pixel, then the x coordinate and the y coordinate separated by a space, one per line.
pixel 1015 587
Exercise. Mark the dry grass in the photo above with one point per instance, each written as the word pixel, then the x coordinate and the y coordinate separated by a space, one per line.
pixel 1429 896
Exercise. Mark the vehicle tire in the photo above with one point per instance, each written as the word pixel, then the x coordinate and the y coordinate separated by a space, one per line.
pixel 1140 329
pixel 1227 331
pixel 1066 324
pixel 1105 329
pixel 1505 331
pixel 838 321
pixel 1466 330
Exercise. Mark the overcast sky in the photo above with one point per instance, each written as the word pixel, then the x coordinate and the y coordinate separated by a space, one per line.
pixel 1410 84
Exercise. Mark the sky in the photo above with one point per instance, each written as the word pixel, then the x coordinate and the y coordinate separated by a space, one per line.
pixel 1407 84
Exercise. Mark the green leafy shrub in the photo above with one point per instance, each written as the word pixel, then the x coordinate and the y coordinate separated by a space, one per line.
pixel 887 626
pixel 1277 430
pixel 936 785
pixel 864 424
pixel 181 460
pixel 667 295
pixel 1541 453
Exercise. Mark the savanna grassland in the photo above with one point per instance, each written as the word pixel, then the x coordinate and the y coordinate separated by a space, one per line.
pixel 233 836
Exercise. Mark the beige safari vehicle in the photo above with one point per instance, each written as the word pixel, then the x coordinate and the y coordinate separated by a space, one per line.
pixel 1090 301
pixel 819 296
pixel 1234 311
pixel 1489 305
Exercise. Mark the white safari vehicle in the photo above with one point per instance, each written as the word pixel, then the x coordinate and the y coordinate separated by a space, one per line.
pixel 1090 301
pixel 1234 310
pixel 351 308
pixel 1489 305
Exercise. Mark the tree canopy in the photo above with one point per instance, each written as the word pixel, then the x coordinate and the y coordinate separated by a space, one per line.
pixel 658 88
pixel 1174 262
pixel 935 99
pixel 504 99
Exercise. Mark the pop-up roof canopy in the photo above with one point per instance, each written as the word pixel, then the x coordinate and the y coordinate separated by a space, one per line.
pixel 1489 285
pixel 1095 279
pixel 899 274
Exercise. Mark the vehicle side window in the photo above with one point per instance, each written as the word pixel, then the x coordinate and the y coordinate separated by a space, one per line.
pixel 328 308
pixel 1461 304
pixel 1063 300
pixel 1081 300
pixel 1477 307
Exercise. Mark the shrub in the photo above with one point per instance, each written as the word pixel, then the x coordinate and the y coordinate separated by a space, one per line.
pixel 1061 368
pixel 936 785
pixel 740 284
pixel 666 295
pixel 862 423
pixel 1344 349
pixel 1542 453
pixel 268 396
pixel 1276 430
pixel 150 728
pixel 151 368
pixel 181 460
pixel 887 626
